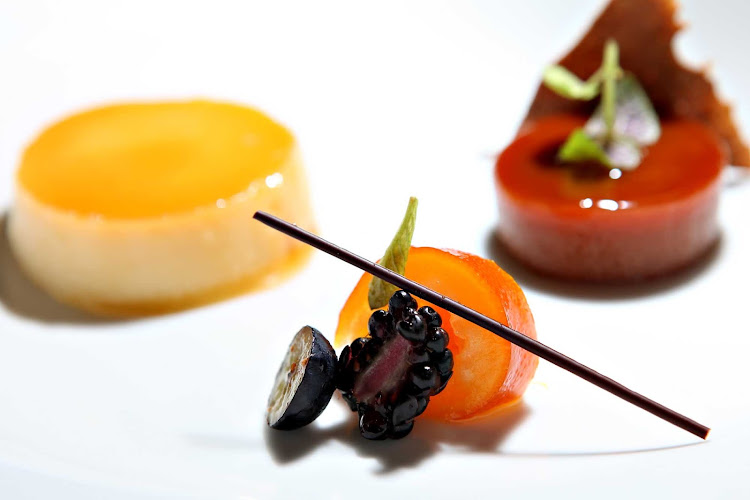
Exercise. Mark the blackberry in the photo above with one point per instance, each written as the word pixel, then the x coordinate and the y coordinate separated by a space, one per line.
pixel 388 377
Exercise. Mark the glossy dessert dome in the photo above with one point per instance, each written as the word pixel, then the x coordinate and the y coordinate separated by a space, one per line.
pixel 576 216
pixel 589 223
pixel 144 208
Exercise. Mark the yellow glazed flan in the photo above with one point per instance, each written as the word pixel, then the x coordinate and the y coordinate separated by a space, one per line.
pixel 145 208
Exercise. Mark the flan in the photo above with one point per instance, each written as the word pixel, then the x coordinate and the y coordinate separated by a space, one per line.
pixel 145 208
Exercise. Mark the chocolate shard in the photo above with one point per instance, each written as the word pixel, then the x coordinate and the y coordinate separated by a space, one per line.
pixel 644 30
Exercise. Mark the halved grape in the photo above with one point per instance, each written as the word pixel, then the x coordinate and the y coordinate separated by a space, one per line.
pixel 305 381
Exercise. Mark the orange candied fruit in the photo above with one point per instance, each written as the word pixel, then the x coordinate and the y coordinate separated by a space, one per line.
pixel 489 372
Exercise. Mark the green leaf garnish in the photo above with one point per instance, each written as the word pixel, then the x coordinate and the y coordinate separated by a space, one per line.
pixel 610 71
pixel 618 152
pixel 568 85
pixel 580 147
pixel 395 258
pixel 623 122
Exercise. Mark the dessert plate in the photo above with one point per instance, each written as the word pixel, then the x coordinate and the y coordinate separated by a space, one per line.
pixel 173 406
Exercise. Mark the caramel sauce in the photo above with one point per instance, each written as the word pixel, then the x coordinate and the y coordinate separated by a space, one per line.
pixel 685 160
pixel 150 159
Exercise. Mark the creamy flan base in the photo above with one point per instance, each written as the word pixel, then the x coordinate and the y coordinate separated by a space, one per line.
pixel 161 213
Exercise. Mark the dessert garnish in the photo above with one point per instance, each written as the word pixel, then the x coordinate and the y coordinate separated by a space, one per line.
pixel 643 30
pixel 304 383
pixel 394 258
pixel 497 328
pixel 623 123
pixel 490 373
pixel 387 376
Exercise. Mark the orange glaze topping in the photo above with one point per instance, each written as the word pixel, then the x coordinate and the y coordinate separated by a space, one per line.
pixel 151 159
pixel 586 222
pixel 686 159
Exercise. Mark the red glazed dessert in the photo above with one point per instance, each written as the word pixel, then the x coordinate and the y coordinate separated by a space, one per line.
pixel 583 222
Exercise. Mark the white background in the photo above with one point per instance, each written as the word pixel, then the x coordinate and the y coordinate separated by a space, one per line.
pixel 388 100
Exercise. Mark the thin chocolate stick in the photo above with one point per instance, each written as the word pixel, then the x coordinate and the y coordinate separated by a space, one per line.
pixel 493 326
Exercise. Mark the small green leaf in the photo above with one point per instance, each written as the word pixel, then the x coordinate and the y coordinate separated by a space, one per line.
pixel 395 258
pixel 623 122
pixel 635 117
pixel 580 147
pixel 618 152
pixel 568 85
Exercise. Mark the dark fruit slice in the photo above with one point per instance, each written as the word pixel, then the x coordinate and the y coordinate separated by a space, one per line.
pixel 388 377
pixel 305 382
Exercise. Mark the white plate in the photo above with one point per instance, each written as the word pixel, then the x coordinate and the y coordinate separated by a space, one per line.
pixel 173 406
